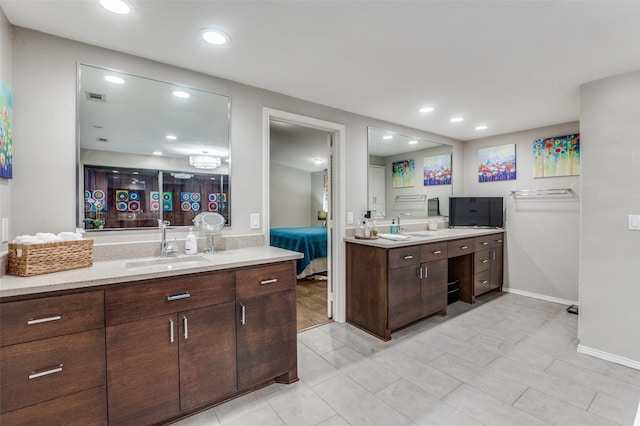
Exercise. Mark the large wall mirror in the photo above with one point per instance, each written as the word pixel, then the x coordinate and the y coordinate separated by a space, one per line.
pixel 407 176
pixel 148 151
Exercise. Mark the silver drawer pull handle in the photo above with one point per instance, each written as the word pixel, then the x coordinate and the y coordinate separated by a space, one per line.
pixel 178 297
pixel 35 375
pixel 420 273
pixel 243 319
pixel 464 247
pixel 484 243
pixel 41 320
pixel 171 331
pixel 271 281
pixel 485 261
pixel 407 257
pixel 186 330
pixel 437 252
pixel 499 241
pixel 484 282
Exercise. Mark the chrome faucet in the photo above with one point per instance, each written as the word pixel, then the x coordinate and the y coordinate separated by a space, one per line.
pixel 398 227
pixel 168 249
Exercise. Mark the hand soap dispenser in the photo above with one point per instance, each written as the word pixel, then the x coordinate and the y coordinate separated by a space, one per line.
pixel 191 244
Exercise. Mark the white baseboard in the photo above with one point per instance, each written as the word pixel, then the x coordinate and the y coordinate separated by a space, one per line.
pixel 609 357
pixel 540 296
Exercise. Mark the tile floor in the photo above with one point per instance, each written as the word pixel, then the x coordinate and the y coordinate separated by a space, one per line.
pixel 508 360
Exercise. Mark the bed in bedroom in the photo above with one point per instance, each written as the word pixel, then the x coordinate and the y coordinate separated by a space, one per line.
pixel 311 241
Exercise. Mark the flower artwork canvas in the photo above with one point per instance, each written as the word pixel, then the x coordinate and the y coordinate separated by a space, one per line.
pixel 497 163
pixel 402 174
pixel 557 156
pixel 6 135
pixel 437 170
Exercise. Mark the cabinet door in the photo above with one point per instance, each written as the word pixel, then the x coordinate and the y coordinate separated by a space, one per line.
pixel 266 337
pixel 376 188
pixel 434 287
pixel 207 355
pixel 142 371
pixel 496 268
pixel 404 296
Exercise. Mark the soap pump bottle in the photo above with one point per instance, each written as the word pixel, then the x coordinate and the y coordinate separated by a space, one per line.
pixel 360 231
pixel 392 229
pixel 191 243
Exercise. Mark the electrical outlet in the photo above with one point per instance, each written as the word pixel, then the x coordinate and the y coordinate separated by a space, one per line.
pixel 5 229
pixel 254 221
pixel 349 218
pixel 634 222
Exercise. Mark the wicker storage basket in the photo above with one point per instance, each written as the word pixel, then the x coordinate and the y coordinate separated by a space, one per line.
pixel 36 259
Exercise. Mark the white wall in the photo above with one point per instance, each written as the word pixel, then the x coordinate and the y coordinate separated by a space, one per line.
pixel 290 196
pixel 543 234
pixel 44 70
pixel 5 74
pixel 317 179
pixel 609 321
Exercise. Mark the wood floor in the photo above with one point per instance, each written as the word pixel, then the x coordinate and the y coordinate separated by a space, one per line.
pixel 312 303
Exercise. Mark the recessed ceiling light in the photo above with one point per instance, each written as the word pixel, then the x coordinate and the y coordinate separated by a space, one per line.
pixel 180 94
pixel 426 109
pixel 457 119
pixel 318 160
pixel 157 153
pixel 171 137
pixel 116 6
pixel 387 137
pixel 413 142
pixel 482 127
pixel 114 79
pixel 214 36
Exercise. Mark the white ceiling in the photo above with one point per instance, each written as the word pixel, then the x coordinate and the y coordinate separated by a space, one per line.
pixel 511 65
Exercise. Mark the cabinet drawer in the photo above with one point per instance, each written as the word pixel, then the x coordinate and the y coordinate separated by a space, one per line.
pixel 434 251
pixel 50 368
pixel 404 256
pixel 87 408
pixel 481 283
pixel 460 247
pixel 260 280
pixel 483 243
pixel 47 317
pixel 167 295
pixel 497 240
pixel 481 261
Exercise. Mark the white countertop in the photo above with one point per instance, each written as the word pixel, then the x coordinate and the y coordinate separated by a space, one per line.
pixel 422 237
pixel 116 271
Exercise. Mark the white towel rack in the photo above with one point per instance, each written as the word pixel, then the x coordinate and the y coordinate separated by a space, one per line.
pixel 416 197
pixel 532 193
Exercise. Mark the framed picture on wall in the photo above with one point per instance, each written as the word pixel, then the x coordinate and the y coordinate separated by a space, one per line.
pixel 6 134
pixel 403 174
pixel 497 163
pixel 437 170
pixel 557 156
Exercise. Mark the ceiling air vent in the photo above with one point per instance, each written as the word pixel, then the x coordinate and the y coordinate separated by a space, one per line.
pixel 98 97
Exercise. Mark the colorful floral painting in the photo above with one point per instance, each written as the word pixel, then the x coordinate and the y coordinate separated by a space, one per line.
pixel 6 135
pixel 437 170
pixel 497 163
pixel 559 156
pixel 403 174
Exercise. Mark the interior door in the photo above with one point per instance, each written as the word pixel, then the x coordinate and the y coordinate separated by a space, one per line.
pixel 330 226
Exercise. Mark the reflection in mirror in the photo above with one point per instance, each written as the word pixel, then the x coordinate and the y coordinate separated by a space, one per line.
pixel 149 144
pixel 398 183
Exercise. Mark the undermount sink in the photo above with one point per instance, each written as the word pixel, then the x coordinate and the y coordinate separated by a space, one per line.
pixel 423 233
pixel 167 263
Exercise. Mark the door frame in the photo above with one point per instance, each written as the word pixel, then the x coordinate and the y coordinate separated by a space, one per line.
pixel 336 222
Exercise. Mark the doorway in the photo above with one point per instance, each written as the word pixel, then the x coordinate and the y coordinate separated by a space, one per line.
pixel 290 142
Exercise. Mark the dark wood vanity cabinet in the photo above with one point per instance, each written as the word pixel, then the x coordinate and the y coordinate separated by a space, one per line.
pixel 52 360
pixel 389 288
pixel 488 263
pixel 266 325
pixel 173 359
pixel 395 287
